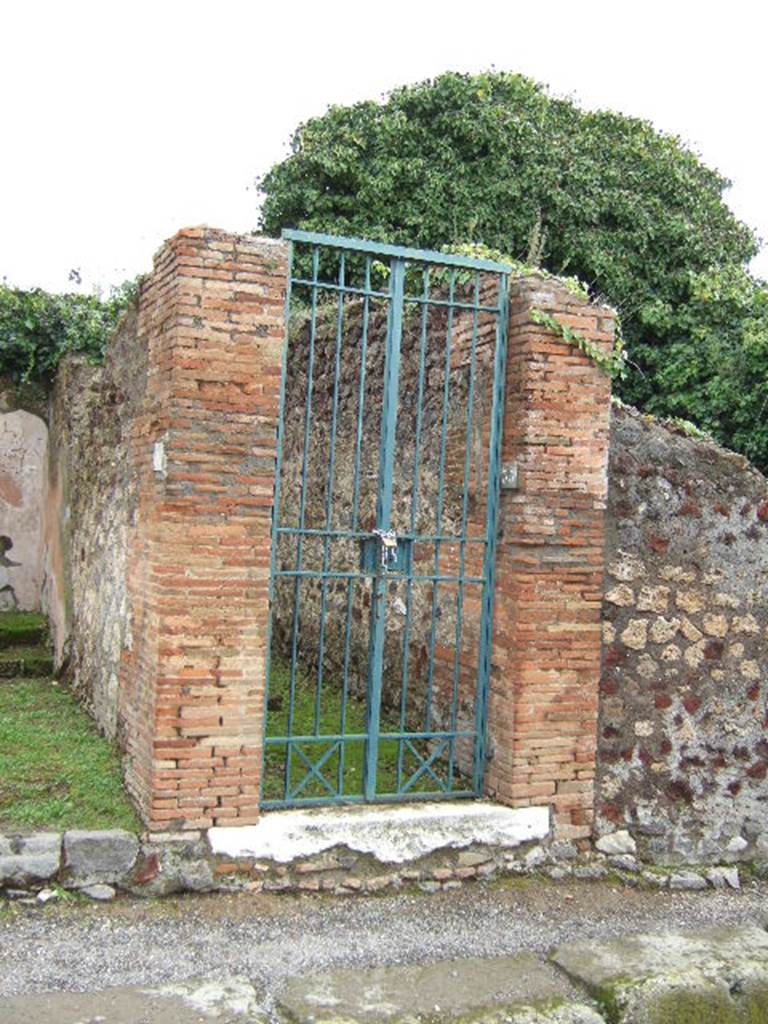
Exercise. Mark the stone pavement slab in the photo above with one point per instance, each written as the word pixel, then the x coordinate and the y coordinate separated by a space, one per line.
pixel 232 1001
pixel 566 1013
pixel 718 976
pixel 446 990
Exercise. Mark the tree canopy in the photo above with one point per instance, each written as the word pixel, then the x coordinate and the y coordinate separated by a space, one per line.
pixel 713 368
pixel 494 159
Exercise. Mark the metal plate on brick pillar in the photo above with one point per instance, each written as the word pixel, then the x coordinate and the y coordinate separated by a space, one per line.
pixel 384 524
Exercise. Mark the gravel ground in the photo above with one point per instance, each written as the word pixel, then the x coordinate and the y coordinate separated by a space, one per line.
pixel 84 948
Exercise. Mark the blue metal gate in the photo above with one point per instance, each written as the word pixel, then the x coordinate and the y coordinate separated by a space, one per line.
pixel 384 524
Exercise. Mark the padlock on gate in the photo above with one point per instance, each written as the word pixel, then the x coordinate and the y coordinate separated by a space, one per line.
pixel 388 539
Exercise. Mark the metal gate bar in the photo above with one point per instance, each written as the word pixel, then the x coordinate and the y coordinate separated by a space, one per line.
pixel 432 751
pixel 463 542
pixel 353 531
pixel 329 494
pixel 492 511
pixel 412 521
pixel 383 518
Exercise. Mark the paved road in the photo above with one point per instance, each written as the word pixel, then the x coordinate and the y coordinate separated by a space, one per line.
pixel 120 950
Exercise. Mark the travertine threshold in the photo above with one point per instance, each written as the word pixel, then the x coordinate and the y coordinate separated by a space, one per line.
pixel 392 834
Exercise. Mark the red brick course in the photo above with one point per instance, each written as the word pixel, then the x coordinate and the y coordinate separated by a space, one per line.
pixel 211 316
pixel 546 640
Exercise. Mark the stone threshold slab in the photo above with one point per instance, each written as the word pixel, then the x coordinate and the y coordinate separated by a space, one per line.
pixel 393 834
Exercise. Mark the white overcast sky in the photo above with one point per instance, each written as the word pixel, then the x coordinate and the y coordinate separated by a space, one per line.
pixel 122 122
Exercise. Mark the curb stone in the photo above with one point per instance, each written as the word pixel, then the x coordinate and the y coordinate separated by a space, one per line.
pixel 29 860
pixel 687 881
pixel 160 864
pixel 99 892
pixel 716 974
pixel 98 857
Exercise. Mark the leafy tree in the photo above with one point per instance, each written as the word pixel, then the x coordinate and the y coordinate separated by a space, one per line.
pixel 714 366
pixel 37 328
pixel 494 159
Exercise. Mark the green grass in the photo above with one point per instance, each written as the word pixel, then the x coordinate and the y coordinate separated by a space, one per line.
pixel 56 772
pixel 22 628
pixel 330 722
pixel 25 661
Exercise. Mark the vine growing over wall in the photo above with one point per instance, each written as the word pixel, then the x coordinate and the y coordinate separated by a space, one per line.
pixel 38 328
pixel 612 363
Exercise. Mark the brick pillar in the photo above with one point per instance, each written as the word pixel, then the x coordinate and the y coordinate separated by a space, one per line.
pixel 192 686
pixel 546 640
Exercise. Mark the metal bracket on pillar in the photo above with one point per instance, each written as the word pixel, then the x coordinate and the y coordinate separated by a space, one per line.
pixel 509 476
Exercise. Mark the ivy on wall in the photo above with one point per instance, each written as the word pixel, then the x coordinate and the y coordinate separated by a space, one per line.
pixel 37 328
pixel 613 363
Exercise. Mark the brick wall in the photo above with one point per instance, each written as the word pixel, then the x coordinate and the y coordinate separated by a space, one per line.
pixel 211 317
pixel 546 642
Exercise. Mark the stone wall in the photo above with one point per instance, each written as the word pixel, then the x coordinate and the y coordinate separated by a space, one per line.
pixel 161 484
pixel 154 569
pixel 157 559
pixel 91 518
pixel 683 743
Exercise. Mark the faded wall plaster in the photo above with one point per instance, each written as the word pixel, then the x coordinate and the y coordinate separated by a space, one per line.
pixel 23 454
